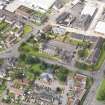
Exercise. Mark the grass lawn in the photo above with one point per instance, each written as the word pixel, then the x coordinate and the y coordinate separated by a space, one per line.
pixel 27 29
pixel 101 92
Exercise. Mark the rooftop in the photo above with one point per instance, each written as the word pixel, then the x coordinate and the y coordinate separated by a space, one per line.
pixel 89 9
pixel 100 27
pixel 40 5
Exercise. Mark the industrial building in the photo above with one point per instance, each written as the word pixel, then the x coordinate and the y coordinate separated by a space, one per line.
pixel 38 5
pixel 100 27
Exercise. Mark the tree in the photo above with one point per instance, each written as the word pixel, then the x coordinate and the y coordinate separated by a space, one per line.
pixel 23 57
pixel 62 74
pixel 83 53
pixel 32 60
pixel 30 76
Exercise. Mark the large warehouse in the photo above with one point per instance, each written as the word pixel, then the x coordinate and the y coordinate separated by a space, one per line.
pixel 100 27
pixel 38 5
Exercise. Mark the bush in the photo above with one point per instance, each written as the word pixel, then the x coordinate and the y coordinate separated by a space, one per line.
pixel 83 53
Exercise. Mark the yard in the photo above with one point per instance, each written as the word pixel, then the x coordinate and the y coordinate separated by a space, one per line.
pixel 27 29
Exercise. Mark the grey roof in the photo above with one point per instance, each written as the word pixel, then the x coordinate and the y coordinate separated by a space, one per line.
pixel 99 42
pixel 82 22
pixel 80 37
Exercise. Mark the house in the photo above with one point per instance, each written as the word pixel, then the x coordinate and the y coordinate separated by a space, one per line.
pixel 58 4
pixel 46 77
pixel 63 50
pixel 77 89
pixel 2 72
pixel 19 33
pixel 47 28
pixel 24 12
pixel 15 91
pixel 83 22
pixel 18 24
pixel 9 20
pixel 58 30
pixel 74 2
pixel 2 6
pixel 2 17
pixel 62 17
pixel 93 58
